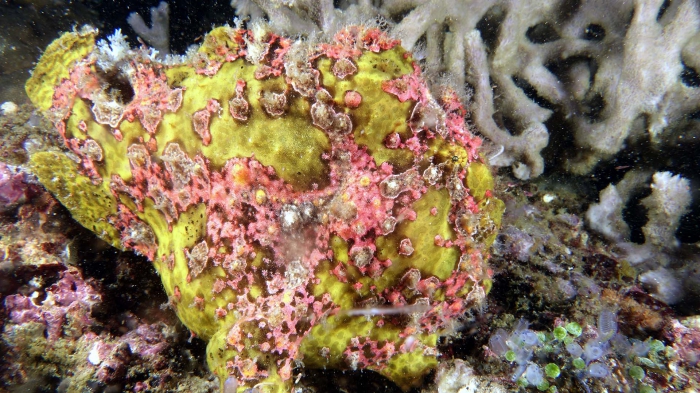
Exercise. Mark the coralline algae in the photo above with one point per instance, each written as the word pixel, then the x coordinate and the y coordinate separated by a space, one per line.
pixel 304 203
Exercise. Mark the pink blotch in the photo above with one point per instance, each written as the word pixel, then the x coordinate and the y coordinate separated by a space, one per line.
pixel 353 99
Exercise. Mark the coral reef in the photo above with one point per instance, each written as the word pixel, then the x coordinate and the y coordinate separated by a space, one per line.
pixel 607 71
pixel 13 188
pixel 58 339
pixel 604 353
pixel 304 203
pixel 23 132
pixel 62 331
pixel 604 91
pixel 458 377
pixel 573 288
pixel 666 270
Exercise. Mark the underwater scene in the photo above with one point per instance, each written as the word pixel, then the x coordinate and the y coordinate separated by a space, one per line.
pixel 319 196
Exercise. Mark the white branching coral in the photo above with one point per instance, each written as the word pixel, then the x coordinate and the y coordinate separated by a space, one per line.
pixel 306 17
pixel 669 200
pixel 640 79
pixel 604 72
pixel 158 35
pixel 657 258
pixel 605 217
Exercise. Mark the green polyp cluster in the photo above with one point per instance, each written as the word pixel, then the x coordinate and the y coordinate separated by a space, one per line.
pixel 255 233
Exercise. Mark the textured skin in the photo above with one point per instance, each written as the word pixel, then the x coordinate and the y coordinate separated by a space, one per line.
pixel 344 222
